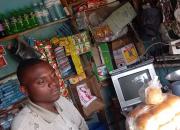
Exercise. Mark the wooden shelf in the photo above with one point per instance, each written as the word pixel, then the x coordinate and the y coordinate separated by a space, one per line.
pixel 10 37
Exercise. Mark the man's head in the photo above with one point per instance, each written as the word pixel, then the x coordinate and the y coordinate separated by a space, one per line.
pixel 38 80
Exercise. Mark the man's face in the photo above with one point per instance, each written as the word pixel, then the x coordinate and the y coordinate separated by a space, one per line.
pixel 41 83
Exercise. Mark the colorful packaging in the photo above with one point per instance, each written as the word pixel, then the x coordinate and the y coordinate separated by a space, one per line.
pixel 85 95
pixel 106 57
pixel 102 72
pixel 130 54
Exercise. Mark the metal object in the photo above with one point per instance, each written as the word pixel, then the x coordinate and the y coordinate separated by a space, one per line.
pixel 174 76
pixel 175 87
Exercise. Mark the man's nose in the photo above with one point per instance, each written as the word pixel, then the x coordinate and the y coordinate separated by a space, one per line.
pixel 52 82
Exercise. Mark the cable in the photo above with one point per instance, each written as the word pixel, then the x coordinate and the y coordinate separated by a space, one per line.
pixel 147 49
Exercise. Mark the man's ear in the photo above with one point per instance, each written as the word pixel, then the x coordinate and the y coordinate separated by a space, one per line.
pixel 23 89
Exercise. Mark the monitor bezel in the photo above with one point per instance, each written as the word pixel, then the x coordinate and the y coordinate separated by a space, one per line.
pixel 124 104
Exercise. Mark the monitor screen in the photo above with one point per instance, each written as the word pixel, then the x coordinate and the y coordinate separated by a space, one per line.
pixel 131 84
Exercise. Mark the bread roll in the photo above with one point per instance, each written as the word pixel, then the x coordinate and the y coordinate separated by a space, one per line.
pixel 176 120
pixel 146 121
pixel 131 118
pixel 168 126
pixel 140 109
pixel 154 117
pixel 165 111
pixel 154 95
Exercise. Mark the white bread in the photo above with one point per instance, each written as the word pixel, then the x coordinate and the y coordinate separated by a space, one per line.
pixel 153 95
pixel 146 121
pixel 165 111
pixel 168 126
pixel 140 109
pixel 154 117
pixel 176 120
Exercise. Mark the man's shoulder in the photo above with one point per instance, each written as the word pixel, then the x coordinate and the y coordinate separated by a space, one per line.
pixel 62 101
pixel 22 119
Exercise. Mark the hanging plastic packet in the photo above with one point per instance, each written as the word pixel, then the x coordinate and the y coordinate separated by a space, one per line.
pixel 85 95
pixel 151 93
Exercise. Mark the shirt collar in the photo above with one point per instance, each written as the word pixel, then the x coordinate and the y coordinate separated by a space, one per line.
pixel 45 114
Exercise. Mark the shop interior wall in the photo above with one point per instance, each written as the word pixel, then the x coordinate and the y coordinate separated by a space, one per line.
pixel 48 32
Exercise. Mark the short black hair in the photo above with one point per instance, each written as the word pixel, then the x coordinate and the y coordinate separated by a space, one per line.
pixel 26 64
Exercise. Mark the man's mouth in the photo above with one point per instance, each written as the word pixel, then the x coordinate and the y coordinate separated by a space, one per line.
pixel 56 92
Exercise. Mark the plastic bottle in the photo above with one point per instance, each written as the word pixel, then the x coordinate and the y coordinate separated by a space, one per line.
pixel 45 13
pixel 13 22
pixel 20 25
pixel 60 13
pixel 38 13
pixel 32 17
pixel 49 4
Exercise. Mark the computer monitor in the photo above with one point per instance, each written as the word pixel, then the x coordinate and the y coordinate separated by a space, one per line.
pixel 128 82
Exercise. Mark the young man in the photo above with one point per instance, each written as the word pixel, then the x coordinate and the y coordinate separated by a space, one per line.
pixel 46 110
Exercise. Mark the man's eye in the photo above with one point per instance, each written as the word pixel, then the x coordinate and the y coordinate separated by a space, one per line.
pixel 40 81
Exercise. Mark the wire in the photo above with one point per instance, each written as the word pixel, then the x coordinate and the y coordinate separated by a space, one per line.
pixel 147 49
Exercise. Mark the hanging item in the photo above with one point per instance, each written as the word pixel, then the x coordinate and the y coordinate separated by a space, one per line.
pixel 63 62
pixel 167 11
pixel 115 25
pixel 47 51
pixel 75 57
pixel 2 50
pixel 177 11
pixel 85 95
pixel 102 72
pixel 22 50
pixel 74 46
pixel 3 62
pixel 176 24
pixel 106 56
pixel 130 54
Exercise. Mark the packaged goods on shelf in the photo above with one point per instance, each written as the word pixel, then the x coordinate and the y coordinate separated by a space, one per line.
pixel 5 122
pixel 10 93
pixel 63 62
pixel 55 9
pixel 105 56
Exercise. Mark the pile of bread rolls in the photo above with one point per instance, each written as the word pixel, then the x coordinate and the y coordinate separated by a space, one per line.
pixel 159 112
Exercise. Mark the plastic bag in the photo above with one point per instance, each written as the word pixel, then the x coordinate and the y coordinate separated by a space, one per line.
pixel 151 92
pixel 85 96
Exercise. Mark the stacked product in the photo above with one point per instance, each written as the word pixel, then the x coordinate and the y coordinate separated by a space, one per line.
pixel 65 29
pixel 18 21
pixel 5 121
pixel 81 42
pixel 55 9
pixel 10 93
pixel 63 62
